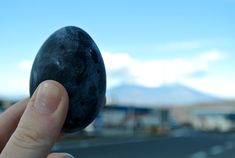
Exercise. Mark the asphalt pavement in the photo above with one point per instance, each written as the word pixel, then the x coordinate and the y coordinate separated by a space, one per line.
pixel 178 144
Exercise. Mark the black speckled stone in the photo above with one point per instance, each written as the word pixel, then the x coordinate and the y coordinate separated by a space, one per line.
pixel 71 57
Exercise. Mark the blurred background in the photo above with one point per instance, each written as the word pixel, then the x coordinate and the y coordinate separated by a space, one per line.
pixel 170 73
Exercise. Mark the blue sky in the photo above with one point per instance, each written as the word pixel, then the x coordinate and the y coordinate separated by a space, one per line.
pixel 144 42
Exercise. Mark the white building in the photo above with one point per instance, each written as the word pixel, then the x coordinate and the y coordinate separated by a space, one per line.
pixel 116 119
pixel 222 121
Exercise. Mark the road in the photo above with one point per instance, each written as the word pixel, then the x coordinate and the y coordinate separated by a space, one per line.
pixel 176 145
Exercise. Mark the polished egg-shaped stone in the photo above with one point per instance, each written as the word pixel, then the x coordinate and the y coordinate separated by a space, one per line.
pixel 72 58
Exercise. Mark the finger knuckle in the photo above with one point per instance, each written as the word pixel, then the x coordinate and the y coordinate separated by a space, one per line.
pixel 28 138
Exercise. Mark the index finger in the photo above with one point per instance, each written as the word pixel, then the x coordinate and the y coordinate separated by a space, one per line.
pixel 9 120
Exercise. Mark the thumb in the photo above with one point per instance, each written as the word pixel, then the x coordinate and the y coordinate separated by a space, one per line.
pixel 40 124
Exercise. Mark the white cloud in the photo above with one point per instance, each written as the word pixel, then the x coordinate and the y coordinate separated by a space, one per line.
pixel 15 82
pixel 117 61
pixel 223 87
pixel 212 55
pixel 15 85
pixel 123 68
pixel 155 72
pixel 25 65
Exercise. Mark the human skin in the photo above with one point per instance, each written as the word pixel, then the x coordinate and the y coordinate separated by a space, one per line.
pixel 30 128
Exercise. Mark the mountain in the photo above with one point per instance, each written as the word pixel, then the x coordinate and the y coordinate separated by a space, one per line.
pixel 167 95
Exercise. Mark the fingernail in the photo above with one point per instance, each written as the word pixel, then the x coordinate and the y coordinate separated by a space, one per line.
pixel 48 98
pixel 68 156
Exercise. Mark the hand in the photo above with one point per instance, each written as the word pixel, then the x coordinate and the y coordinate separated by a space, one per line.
pixel 29 128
